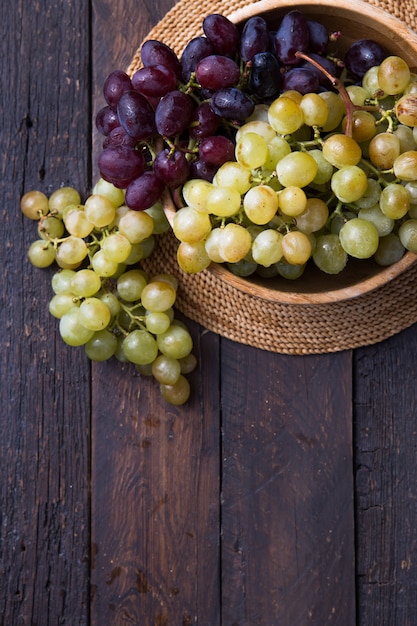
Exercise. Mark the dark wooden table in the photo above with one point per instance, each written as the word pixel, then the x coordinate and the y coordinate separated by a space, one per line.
pixel 284 493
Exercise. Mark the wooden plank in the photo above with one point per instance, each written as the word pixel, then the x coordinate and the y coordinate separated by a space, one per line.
pixel 45 400
pixel 386 488
pixel 287 487
pixel 155 498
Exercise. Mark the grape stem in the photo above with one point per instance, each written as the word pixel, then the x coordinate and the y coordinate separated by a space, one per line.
pixel 344 94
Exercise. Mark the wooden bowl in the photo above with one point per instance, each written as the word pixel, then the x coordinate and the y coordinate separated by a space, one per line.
pixel 356 20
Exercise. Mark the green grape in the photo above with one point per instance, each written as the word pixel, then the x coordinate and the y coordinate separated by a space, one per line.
pixel 223 202
pixel 296 247
pixel 405 166
pixel 292 201
pixel 41 253
pixel 176 394
pixel 77 223
pixel 405 135
pixel 260 204
pixel 94 314
pixel 157 322
pixel 160 221
pixel 363 126
pixel 314 110
pixel 50 227
pixel 289 271
pixel 131 284
pixel 278 147
pixel 85 283
pixel 137 253
pixel 341 150
pixel 359 238
pixel 371 195
pixel 158 296
pixel 251 150
pixel 324 168
pixel 102 346
pixel 212 245
pixel 60 199
pixel 112 193
pixel 140 347
pixel 34 204
pixel 112 302
pixel 188 363
pixel 99 210
pixel 147 246
pixel 297 169
pixel 176 342
pixel 166 370
pixel 103 266
pixel 71 251
pixel 61 281
pixel 357 94
pixel 235 242
pixel 390 250
pixel 233 175
pixel 116 247
pixel 71 329
pixel 267 247
pixel 383 149
pixel 244 268
pixel 314 217
pixel 61 303
pixel 193 257
pixel 329 255
pixel 406 110
pixel 370 82
pixel 382 223
pixel 394 201
pixel 191 225
pixel 285 115
pixel 136 226
pixel 260 127
pixel 335 109
pixel 408 235
pixel 195 192
pixel 349 183
pixel 393 75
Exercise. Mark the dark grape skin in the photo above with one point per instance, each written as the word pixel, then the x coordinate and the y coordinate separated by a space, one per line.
pixel 292 35
pixel 300 79
pixel 201 169
pixel 204 122
pixel 120 163
pixel 116 83
pixel 106 120
pixel 326 63
pixel 264 75
pixel 173 113
pixel 154 81
pixel 171 167
pixel 318 37
pixel 136 115
pixel 255 38
pixel 216 150
pixel 217 71
pixel 232 104
pixel 119 137
pixel 362 55
pixel 144 191
pixel 154 52
pixel 222 34
pixel 196 49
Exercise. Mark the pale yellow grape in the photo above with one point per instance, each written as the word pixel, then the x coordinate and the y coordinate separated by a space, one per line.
pixel 292 201
pixel 278 147
pixel 195 192
pixel 116 247
pixel 335 110
pixel 191 225
pixel 393 75
pixel 41 253
pixel 71 251
pixel 85 283
pixel 212 245
pixel 131 284
pixel 193 257
pixel 357 94
pixel 370 82
pixel 371 196
pixel 176 342
pixel 94 314
pixel 61 281
pixel 77 223
pixel 296 169
pixel 223 201
pixel 166 370
pixel 259 127
pixel 314 217
pixel 99 210
pixel 260 204
pixel 324 168
pixel 314 109
pixel 157 322
pixel 260 113
pixel 160 221
pixel 72 331
pixel 267 247
pixel 394 201
pixel 234 175
pixel 166 278
pixel 382 223
pixel 341 150
pixel 158 296
pixel 292 94
pixel 114 194
pixel 112 302
pixel 61 303
pixel 405 166
pixel 349 183
pixel 359 238
pixel 63 197
pixel 363 126
pixel 103 266
pixel 178 393
pixel 50 228
pixel 296 247
pixel 136 225
pixel 406 136
pixel 251 150
pixel 33 204
pixel 383 149
pixel 235 243
pixel 285 115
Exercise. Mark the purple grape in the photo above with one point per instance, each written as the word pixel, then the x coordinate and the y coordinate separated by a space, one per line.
pixel 300 79
pixel 217 150
pixel 204 121
pixel 326 63
pixel 362 55
pixel 116 84
pixel 106 120
pixel 232 104
pixel 264 75
pixel 120 164
pixel 255 38
pixel 144 191
pixel 154 80
pixel 201 169
pixel 171 167
pixel 136 115
pixel 318 37
pixel 217 71
pixel 154 52
pixel 222 33
pixel 195 50
pixel 119 137
pixel 291 36
pixel 173 113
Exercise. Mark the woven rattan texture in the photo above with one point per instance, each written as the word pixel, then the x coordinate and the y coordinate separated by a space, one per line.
pixel 278 327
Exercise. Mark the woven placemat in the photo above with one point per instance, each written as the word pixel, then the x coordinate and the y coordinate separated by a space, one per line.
pixel 278 327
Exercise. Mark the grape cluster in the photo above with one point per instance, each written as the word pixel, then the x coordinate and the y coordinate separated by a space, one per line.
pixel 102 298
